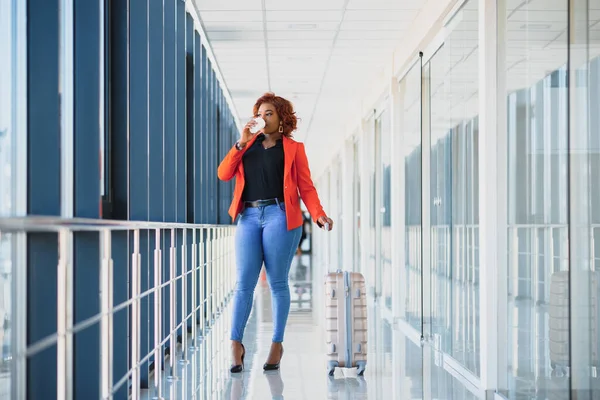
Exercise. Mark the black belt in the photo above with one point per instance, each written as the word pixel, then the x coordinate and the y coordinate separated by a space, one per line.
pixel 262 203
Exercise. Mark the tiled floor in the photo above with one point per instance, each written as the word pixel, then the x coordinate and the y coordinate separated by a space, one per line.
pixel 396 374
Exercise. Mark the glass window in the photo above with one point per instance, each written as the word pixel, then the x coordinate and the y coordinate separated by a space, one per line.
pixel 454 190
pixel 6 109
pixel 537 111
pixel 7 140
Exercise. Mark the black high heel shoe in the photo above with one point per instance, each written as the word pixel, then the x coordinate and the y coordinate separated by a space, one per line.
pixel 239 368
pixel 274 367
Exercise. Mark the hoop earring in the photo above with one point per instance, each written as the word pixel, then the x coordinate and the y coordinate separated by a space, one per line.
pixel 280 127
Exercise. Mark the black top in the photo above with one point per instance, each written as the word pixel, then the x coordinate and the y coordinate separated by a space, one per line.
pixel 263 171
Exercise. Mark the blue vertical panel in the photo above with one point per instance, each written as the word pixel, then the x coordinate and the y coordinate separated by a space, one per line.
pixel 43 186
pixel 218 151
pixel 138 151
pixel 86 265
pixel 117 53
pixel 205 104
pixel 138 110
pixel 155 111
pixel 212 166
pixel 155 146
pixel 180 109
pixel 198 145
pixel 170 143
pixel 181 135
pixel 180 68
pixel 189 125
pixel 209 132
pixel 170 110
pixel 190 152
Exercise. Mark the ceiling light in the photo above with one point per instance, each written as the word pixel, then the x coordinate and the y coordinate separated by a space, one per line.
pixel 302 26
pixel 299 58
pixel 535 26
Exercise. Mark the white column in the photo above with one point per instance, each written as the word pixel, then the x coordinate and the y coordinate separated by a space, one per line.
pixel 18 377
pixel 493 215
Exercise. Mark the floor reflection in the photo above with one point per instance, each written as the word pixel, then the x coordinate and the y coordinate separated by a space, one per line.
pixel 395 369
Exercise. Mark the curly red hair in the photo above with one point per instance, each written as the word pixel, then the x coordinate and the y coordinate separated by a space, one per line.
pixel 283 107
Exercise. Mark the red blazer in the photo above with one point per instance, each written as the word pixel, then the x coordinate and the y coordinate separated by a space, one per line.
pixel 296 182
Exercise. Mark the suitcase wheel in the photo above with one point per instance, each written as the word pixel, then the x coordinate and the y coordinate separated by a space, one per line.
pixel 361 365
pixel 331 367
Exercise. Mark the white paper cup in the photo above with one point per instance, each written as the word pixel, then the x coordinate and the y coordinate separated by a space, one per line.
pixel 260 123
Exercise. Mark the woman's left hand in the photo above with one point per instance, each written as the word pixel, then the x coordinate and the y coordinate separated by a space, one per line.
pixel 325 220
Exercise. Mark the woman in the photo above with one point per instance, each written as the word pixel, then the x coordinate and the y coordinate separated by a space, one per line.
pixel 271 170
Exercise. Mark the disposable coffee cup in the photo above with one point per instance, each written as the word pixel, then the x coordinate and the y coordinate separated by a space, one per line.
pixel 260 123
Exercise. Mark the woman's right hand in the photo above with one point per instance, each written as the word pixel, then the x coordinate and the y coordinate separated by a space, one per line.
pixel 246 135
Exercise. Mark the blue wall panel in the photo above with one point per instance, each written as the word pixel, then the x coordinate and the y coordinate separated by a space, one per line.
pixel 212 154
pixel 170 146
pixel 190 139
pixel 204 62
pixel 198 145
pixel 86 368
pixel 119 115
pixel 138 151
pixel 155 147
pixel 155 112
pixel 43 185
pixel 180 66
pixel 119 130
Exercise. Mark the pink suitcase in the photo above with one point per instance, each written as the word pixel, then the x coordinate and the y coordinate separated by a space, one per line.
pixel 346 321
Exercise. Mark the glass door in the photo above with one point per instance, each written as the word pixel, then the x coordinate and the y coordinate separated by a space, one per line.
pixel 451 287
pixel 411 275
pixel 584 203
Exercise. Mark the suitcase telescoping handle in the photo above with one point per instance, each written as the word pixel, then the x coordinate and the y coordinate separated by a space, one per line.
pixel 325 227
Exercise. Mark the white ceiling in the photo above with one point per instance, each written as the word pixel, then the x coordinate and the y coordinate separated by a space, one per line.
pixel 320 54
pixel 323 54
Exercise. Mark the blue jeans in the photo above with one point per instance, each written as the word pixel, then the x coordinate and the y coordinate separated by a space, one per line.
pixel 262 236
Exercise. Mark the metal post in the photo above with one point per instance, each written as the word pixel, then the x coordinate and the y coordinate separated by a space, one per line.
pixel 184 360
pixel 193 346
pixel 64 322
pixel 172 308
pixel 232 266
pixel 219 271
pixel 211 294
pixel 202 281
pixel 135 315
pixel 157 316
pixel 106 322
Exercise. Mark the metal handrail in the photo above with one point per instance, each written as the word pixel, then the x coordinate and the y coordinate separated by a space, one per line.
pixel 35 223
pixel 211 263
